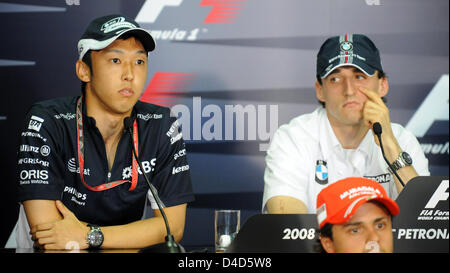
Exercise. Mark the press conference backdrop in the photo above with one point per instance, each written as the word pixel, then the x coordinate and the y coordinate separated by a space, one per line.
pixel 233 72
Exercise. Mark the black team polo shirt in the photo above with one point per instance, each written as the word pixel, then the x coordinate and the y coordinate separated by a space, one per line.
pixel 48 165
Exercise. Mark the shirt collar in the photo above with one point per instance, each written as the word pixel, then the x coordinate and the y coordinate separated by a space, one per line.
pixel 329 141
pixel 90 121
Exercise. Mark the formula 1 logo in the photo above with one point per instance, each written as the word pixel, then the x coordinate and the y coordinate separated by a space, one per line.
pixel 166 87
pixel 430 123
pixel 441 194
pixel 223 11
pixel 430 212
pixel 152 9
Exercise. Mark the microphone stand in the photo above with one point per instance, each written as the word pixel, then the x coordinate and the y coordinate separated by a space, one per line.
pixel 170 246
pixel 376 127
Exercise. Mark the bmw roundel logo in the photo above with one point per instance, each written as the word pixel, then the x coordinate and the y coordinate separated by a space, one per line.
pixel 346 46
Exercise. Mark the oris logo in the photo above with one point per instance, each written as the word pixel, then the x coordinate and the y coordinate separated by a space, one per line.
pixel 34 174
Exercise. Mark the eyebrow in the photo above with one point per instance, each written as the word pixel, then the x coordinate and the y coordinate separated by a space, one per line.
pixel 359 223
pixel 122 52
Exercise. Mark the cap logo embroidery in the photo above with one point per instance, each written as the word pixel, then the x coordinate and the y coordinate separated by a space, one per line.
pixel 353 192
pixel 116 23
pixel 346 46
pixel 322 213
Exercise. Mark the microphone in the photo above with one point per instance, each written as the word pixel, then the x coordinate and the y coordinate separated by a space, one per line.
pixel 376 128
pixel 170 246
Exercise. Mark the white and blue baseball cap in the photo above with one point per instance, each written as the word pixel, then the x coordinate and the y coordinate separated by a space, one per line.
pixel 102 31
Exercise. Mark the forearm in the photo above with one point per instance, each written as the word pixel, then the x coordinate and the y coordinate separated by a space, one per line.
pixel 137 234
pixel 407 173
pixel 146 232
pixel 41 212
pixel 285 205
pixel 52 226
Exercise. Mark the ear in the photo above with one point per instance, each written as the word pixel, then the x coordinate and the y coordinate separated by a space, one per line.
pixel 319 92
pixel 384 86
pixel 83 71
pixel 327 244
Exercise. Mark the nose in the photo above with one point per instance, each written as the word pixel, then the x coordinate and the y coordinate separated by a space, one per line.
pixel 373 236
pixel 350 88
pixel 128 73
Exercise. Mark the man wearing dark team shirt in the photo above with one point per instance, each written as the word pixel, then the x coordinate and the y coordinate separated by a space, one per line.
pixel 78 180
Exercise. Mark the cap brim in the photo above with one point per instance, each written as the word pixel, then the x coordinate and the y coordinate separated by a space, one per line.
pixel 345 213
pixel 366 69
pixel 144 36
pixel 91 44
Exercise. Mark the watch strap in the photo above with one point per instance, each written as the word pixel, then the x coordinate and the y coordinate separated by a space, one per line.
pixel 398 163
pixel 96 242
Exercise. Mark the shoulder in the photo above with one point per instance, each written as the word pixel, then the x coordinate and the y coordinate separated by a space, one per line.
pixel 55 107
pixel 51 112
pixel 401 133
pixel 152 112
pixel 57 103
pixel 303 127
pixel 299 136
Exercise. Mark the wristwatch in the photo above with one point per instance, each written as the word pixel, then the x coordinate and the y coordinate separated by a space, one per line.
pixel 403 160
pixel 94 237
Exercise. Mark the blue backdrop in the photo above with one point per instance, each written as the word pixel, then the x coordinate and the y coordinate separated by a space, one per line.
pixel 233 72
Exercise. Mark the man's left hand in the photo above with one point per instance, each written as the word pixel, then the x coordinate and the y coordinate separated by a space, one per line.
pixel 67 233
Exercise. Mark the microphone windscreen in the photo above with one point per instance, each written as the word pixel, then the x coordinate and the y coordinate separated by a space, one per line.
pixel 128 122
pixel 376 127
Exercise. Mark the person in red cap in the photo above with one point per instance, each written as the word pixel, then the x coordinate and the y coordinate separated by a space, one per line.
pixel 355 216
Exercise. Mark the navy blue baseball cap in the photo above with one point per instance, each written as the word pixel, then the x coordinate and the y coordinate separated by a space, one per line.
pixel 102 31
pixel 349 49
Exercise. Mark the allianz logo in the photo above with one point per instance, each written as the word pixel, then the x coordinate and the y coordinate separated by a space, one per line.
pixel 72 167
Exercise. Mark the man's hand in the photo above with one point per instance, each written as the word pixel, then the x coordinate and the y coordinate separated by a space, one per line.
pixel 61 234
pixel 376 111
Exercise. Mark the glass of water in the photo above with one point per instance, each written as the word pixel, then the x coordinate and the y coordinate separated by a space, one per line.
pixel 226 227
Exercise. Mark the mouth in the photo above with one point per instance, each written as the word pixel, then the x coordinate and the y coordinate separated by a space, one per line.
pixel 126 92
pixel 351 104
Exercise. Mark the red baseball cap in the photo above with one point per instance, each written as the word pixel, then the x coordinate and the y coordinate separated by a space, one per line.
pixel 339 201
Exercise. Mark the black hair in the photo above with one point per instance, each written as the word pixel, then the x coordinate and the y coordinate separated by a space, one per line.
pixel 381 74
pixel 325 231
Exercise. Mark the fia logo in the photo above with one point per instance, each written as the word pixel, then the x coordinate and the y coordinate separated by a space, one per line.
pixel 441 194
pixel 430 212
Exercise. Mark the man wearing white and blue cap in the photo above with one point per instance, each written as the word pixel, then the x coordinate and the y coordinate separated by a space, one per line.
pixel 336 141
pixel 79 183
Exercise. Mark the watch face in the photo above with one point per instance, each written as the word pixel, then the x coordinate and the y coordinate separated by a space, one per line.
pixel 407 158
pixel 95 238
